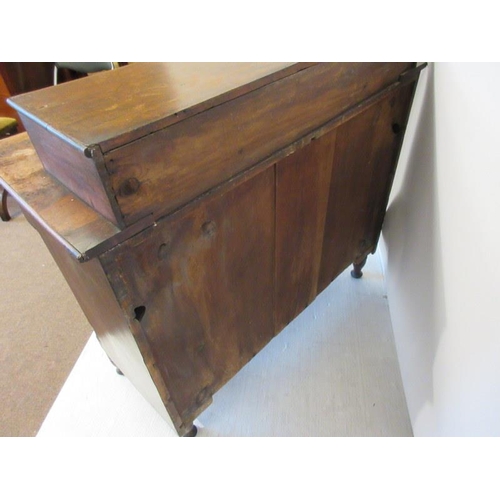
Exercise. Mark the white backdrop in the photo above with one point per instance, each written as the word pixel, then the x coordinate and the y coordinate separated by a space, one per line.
pixel 440 239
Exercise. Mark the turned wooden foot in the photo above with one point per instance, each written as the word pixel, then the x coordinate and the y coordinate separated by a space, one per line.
pixel 357 266
pixel 191 432
pixel 4 212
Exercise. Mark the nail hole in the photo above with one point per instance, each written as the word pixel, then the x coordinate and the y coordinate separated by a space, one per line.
pixel 163 251
pixel 396 128
pixel 129 187
pixel 209 228
pixel 139 312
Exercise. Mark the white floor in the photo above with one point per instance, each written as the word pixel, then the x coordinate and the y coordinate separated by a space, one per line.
pixel 332 372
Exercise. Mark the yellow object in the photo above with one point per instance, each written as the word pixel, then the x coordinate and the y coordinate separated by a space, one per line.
pixel 7 125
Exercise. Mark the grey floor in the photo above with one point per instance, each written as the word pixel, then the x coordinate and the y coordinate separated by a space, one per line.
pixel 332 372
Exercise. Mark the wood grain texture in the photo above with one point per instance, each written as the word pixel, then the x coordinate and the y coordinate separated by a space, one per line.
pixel 302 189
pixel 91 288
pixel 77 227
pixel 332 372
pixel 201 287
pixel 71 167
pixel 113 108
pixel 237 217
pixel 184 160
pixel 172 132
pixel 364 164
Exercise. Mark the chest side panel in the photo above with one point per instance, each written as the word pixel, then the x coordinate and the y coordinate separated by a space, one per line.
pixel 366 153
pixel 200 284
pixel 302 188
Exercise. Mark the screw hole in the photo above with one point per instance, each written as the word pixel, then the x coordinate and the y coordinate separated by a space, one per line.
pixel 209 228
pixel 396 128
pixel 129 187
pixel 163 251
pixel 139 312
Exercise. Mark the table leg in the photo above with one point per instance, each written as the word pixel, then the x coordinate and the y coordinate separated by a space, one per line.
pixel 357 266
pixel 4 211
pixel 191 432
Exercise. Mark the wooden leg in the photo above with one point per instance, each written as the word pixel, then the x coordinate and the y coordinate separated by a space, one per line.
pixel 4 212
pixel 357 266
pixel 191 432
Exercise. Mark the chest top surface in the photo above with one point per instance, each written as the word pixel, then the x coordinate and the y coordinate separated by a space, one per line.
pixel 112 108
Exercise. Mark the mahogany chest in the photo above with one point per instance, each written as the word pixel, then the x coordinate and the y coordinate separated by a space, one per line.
pixel 195 209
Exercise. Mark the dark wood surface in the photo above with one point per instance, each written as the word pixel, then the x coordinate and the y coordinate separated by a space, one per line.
pixel 21 168
pixel 364 162
pixel 117 107
pixel 302 188
pixel 83 176
pixel 185 296
pixel 192 141
pixel 116 331
pixel 226 139
pixel 22 77
pixel 200 284
pixel 76 226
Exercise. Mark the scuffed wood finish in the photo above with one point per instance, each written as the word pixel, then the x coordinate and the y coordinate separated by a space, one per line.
pixel 302 188
pixel 330 202
pixel 70 166
pixel 200 285
pixel 234 216
pixel 228 138
pixel 77 227
pixel 143 97
pixel 116 333
pixel 133 102
pixel 363 167
pixel 158 154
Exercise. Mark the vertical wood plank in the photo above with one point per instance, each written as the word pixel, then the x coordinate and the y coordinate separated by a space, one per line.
pixel 200 285
pixel 302 188
pixel 363 167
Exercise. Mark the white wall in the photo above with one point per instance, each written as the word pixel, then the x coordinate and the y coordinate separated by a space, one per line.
pixel 440 239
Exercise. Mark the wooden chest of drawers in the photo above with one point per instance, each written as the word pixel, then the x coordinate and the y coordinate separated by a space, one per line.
pixel 196 209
